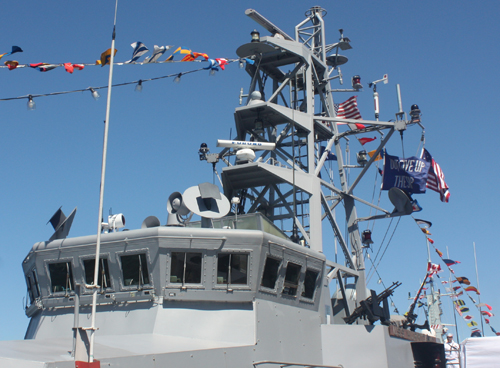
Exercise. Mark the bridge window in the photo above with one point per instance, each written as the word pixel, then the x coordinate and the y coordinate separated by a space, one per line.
pixel 292 276
pixel 310 284
pixel 270 275
pixel 135 270
pixel 61 277
pixel 33 287
pixel 104 280
pixel 186 267
pixel 232 268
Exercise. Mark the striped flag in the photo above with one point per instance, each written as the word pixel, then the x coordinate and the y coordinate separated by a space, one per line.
pixel 139 50
pixel 158 51
pixel 435 180
pixel 348 109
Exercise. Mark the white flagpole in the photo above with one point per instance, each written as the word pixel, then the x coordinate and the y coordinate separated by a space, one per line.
pixel 479 295
pixel 101 194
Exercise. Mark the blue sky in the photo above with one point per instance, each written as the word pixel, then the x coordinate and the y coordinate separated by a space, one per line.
pixel 443 54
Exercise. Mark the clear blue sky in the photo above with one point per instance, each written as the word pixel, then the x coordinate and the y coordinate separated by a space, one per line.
pixel 443 54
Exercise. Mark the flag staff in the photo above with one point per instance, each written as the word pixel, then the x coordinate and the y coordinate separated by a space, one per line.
pixel 453 305
pixel 479 295
pixel 101 194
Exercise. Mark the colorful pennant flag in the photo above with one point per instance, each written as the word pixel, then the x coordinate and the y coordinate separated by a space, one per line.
pixel 425 231
pixel 467 317
pixel 363 141
pixel 139 50
pixel 329 157
pixel 472 324
pixel 496 333
pixel 450 262
pixel 472 288
pixel 485 305
pixel 43 67
pixel 435 180
pixel 459 302
pixel 438 251
pixel 424 223
pixel 181 50
pixel 464 309
pixel 11 64
pixel 371 153
pixel 348 109
pixel 432 242
pixel 415 206
pixel 158 51
pixel 14 50
pixel 194 55
pixel 486 313
pixel 71 67
pixel 463 280
pixel 106 57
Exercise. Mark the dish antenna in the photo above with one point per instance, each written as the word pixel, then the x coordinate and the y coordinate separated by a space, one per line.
pixel 204 200
pixel 401 201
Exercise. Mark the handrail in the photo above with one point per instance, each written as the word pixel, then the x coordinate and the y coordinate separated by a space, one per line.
pixel 287 364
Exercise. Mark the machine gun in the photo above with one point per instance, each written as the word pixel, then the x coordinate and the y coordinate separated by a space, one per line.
pixel 370 307
pixel 411 317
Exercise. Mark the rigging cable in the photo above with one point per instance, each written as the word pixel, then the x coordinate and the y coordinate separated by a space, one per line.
pixel 381 243
pixel 387 246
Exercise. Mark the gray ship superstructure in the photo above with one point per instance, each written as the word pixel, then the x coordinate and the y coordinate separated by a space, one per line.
pixel 249 284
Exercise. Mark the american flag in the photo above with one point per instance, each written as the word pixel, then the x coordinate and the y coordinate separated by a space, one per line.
pixel 348 109
pixel 435 180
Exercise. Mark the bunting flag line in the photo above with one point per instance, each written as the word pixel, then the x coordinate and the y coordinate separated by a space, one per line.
pixel 435 180
pixel 139 50
pixel 458 303
pixel 348 109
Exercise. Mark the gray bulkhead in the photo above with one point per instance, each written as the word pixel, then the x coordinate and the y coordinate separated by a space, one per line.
pixel 274 309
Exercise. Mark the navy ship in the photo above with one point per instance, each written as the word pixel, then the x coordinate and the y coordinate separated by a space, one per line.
pixel 248 284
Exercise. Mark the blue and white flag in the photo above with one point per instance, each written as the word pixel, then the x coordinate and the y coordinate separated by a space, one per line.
pixel 330 155
pixel 157 53
pixel 409 174
pixel 139 50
